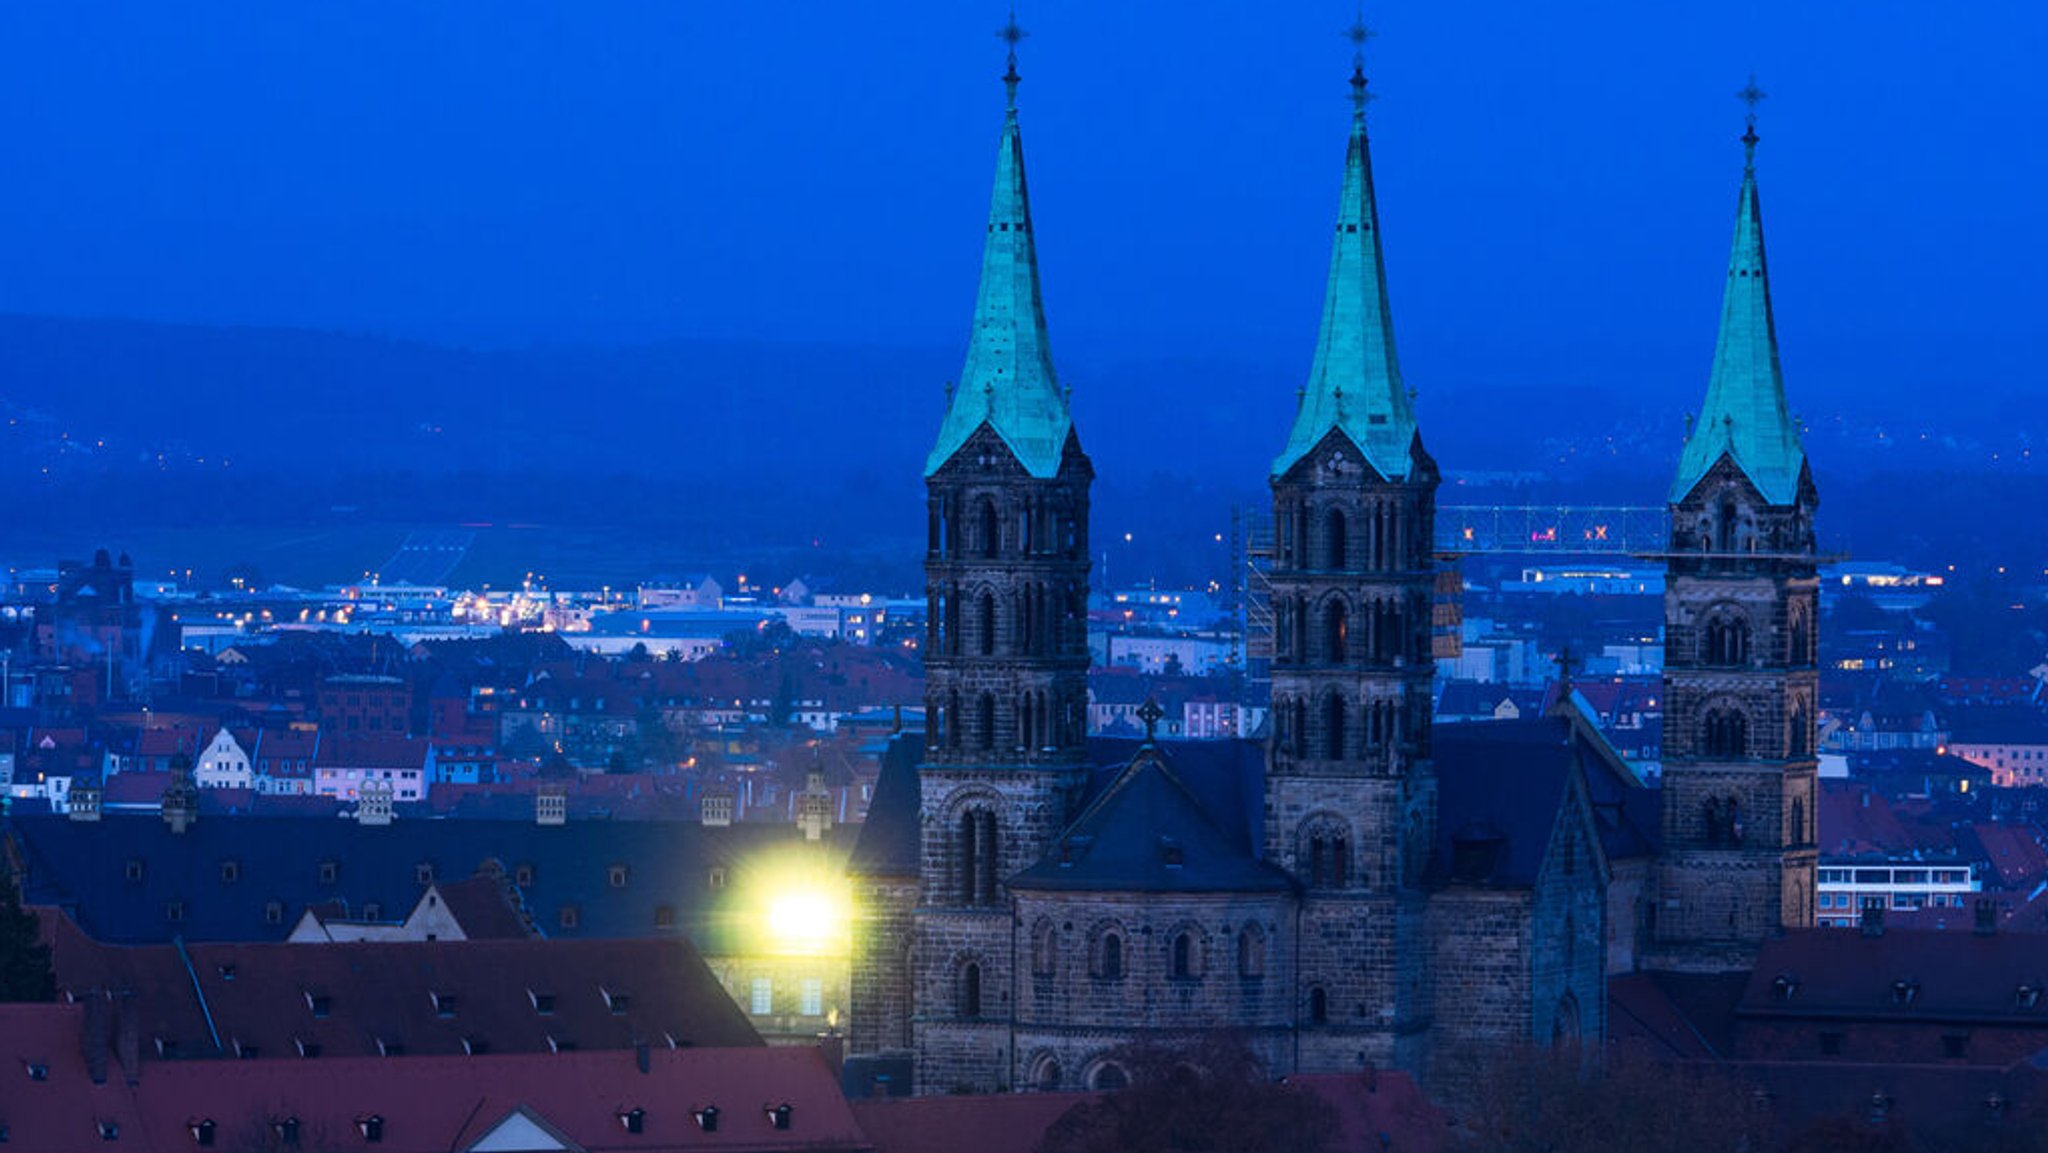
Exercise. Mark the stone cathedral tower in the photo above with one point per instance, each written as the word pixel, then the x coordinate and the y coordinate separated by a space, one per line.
pixel 1350 795
pixel 1740 608
pixel 1006 654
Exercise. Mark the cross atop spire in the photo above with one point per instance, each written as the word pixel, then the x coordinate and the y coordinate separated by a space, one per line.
pixel 1010 33
pixel 1359 34
pixel 1752 96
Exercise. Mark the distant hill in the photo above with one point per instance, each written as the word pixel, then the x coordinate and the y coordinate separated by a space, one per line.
pixel 119 426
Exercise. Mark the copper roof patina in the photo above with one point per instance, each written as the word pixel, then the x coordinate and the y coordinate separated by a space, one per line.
pixel 1745 416
pixel 1008 382
pixel 1355 384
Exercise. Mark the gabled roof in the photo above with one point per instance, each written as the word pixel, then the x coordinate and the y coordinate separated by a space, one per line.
pixel 443 1104
pixel 1354 386
pixel 1512 776
pixel 82 866
pixel 1008 381
pixel 1745 417
pixel 889 844
pixel 1148 833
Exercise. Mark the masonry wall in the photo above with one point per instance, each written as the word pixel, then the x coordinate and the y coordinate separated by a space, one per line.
pixel 1071 1013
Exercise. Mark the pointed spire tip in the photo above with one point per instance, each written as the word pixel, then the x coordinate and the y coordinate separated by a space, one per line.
pixel 1011 33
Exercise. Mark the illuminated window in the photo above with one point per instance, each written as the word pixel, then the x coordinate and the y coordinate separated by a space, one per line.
pixel 762 1001
pixel 811 997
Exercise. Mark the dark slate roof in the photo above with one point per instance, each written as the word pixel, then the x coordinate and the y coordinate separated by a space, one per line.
pixel 1479 763
pixel 1625 812
pixel 1149 833
pixel 82 867
pixel 1226 778
pixel 889 844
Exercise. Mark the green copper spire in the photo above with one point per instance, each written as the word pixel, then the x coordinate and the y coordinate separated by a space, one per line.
pixel 1355 383
pixel 1008 382
pixel 1744 416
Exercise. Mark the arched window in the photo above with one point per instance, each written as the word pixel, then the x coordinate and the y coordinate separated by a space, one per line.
pixel 1336 632
pixel 1045 949
pixel 1046 1074
pixel 985 722
pixel 1109 1077
pixel 1801 641
pixel 985 629
pixel 1728 640
pixel 1333 727
pixel 1564 1025
pixel 1800 741
pixel 1724 535
pixel 970 990
pixel 1798 821
pixel 1324 852
pixel 991 528
pixel 1318 1005
pixel 1251 951
pixel 979 862
pixel 1184 955
pixel 1725 733
pixel 1336 549
pixel 1109 956
pixel 954 719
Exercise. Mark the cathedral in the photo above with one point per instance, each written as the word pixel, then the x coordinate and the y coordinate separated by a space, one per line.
pixel 1361 887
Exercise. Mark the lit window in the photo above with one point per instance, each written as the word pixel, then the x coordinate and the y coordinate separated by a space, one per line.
pixel 812 997
pixel 762 1001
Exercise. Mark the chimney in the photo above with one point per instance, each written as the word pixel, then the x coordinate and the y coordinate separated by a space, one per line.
pixel 643 1057
pixel 551 806
pixel 373 803
pixel 1987 917
pixel 1873 920
pixel 128 1038
pixel 92 1036
pixel 832 1047
pixel 180 804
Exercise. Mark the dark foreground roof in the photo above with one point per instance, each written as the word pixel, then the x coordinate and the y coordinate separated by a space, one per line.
pixel 370 999
pixel 569 1100
pixel 129 879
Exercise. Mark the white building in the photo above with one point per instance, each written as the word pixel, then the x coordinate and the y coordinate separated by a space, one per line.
pixel 1844 890
pixel 223 764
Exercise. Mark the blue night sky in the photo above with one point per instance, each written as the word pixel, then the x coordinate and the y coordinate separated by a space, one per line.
pixel 1557 182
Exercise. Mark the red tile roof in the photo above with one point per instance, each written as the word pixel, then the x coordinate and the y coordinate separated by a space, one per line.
pixel 362 998
pixel 424 1104
pixel 368 752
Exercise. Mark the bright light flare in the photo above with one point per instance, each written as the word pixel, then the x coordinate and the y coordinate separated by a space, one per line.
pixel 806 921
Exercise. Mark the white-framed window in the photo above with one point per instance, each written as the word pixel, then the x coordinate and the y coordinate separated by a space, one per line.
pixel 762 1001
pixel 811 998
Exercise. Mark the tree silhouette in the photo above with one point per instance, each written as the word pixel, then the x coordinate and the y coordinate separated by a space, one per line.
pixel 25 973
pixel 1211 1097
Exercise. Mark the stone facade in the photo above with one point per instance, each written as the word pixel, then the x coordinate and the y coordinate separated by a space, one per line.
pixel 1006 691
pixel 1741 700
